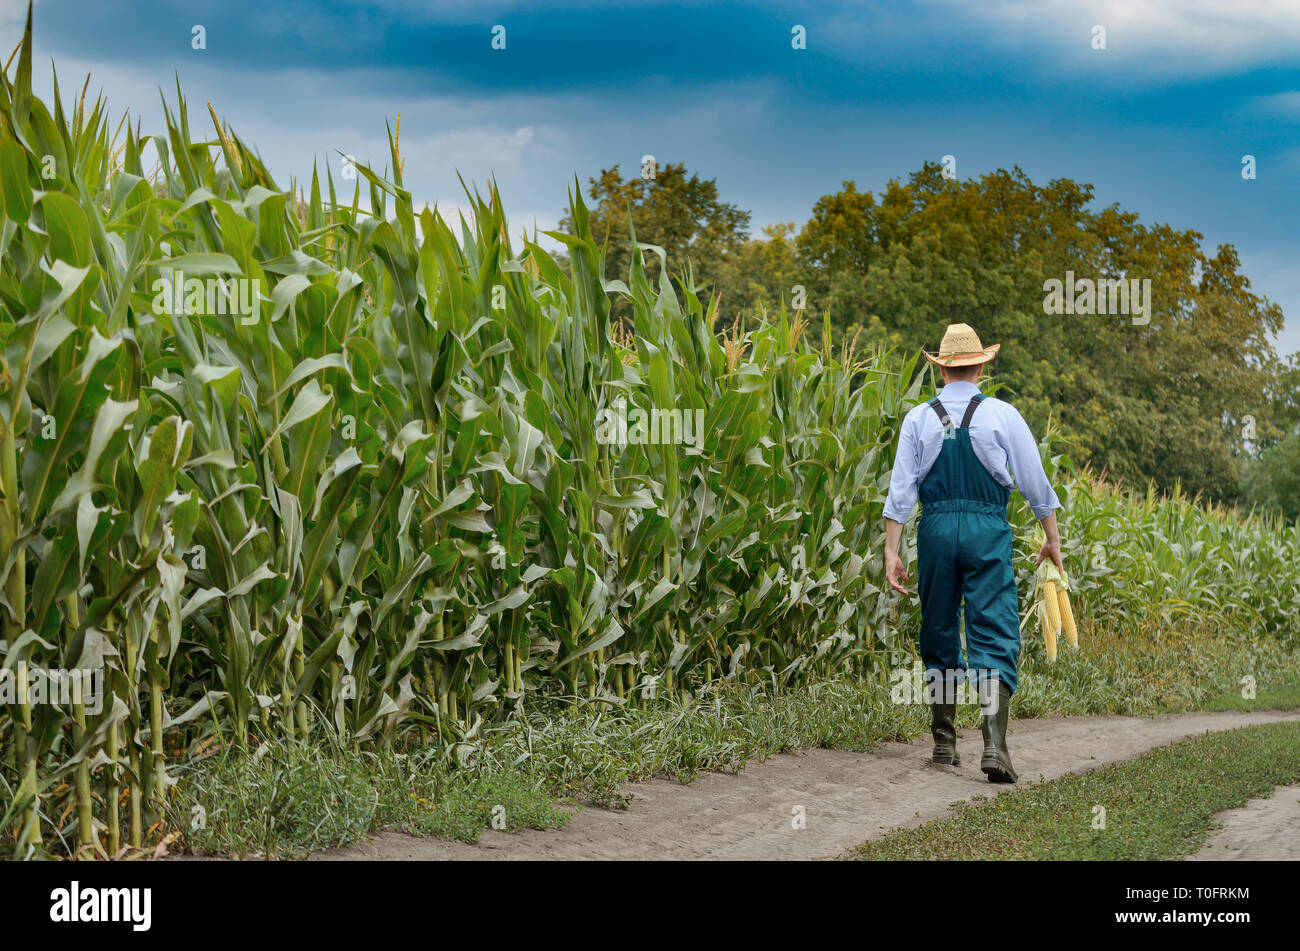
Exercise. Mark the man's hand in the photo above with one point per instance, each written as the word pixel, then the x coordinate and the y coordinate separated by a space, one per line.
pixel 1052 548
pixel 1053 552
pixel 893 564
pixel 894 572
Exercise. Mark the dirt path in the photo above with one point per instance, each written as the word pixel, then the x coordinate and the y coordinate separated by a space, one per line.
pixel 846 798
pixel 1262 830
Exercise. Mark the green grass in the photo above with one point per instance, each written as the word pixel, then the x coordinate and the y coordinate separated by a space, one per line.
pixel 1285 698
pixel 292 798
pixel 1158 806
pixel 285 800
pixel 1157 669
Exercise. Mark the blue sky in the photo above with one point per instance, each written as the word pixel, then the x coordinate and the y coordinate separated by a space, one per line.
pixel 1157 122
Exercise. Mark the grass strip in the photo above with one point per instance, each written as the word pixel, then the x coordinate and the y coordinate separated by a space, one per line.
pixel 1285 698
pixel 1158 806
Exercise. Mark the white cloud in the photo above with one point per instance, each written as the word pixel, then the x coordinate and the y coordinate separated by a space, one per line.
pixel 459 10
pixel 13 16
pixel 479 150
pixel 517 221
pixel 1185 37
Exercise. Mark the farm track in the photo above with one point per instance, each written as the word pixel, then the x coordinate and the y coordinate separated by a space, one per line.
pixel 847 798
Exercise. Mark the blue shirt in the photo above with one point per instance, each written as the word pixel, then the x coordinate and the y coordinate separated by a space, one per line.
pixel 998 434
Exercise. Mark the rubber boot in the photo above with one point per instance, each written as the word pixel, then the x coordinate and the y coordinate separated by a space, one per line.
pixel 943 727
pixel 996 761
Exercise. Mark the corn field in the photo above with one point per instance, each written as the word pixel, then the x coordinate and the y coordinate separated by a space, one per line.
pixel 381 503
pixel 1178 560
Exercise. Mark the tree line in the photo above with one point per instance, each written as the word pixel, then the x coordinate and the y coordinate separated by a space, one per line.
pixel 1191 394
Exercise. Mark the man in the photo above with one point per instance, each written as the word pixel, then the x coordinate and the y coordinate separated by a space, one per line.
pixel 963 473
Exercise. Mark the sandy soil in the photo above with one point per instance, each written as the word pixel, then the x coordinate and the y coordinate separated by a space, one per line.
pixel 1262 830
pixel 844 798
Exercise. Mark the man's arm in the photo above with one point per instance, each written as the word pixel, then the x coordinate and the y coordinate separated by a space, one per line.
pixel 894 572
pixel 904 481
pixel 1052 548
pixel 903 490
pixel 1031 479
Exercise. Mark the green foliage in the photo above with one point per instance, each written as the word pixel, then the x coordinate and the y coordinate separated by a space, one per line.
pixel 1161 667
pixel 287 799
pixel 1273 481
pixel 380 500
pixel 1135 558
pixel 759 278
pixel 1272 476
pixel 291 798
pixel 682 216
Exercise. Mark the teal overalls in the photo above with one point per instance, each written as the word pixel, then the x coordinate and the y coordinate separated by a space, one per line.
pixel 964 551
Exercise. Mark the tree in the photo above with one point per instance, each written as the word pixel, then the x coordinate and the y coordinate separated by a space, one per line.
pixel 1160 399
pixel 765 273
pixel 1272 479
pixel 681 214
pixel 1273 482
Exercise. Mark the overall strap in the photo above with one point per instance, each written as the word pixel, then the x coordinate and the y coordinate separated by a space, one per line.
pixel 944 418
pixel 971 408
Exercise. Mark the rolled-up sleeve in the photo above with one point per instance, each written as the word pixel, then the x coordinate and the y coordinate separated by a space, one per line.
pixel 903 481
pixel 1027 466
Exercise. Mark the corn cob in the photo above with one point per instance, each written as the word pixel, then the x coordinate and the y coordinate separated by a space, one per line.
pixel 1049 632
pixel 1067 616
pixel 1053 608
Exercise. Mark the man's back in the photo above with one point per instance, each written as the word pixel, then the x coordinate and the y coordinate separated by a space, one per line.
pixel 999 436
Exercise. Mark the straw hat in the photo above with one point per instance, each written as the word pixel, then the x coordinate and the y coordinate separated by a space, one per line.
pixel 961 347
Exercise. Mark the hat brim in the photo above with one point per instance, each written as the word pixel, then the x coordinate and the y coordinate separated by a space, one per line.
pixel 964 359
